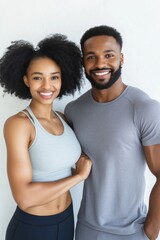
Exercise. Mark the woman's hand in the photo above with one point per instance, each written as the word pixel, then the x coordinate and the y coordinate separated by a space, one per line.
pixel 83 166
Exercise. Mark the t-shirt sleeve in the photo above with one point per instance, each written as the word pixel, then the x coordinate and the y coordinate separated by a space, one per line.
pixel 147 118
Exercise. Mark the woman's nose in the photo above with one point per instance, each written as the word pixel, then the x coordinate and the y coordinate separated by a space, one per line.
pixel 46 83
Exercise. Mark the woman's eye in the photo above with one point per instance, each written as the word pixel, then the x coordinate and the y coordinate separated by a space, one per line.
pixel 55 77
pixel 36 78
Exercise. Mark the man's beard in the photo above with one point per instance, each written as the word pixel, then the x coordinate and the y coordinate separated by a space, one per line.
pixel 114 77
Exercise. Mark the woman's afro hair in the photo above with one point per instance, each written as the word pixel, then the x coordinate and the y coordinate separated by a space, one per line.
pixel 15 62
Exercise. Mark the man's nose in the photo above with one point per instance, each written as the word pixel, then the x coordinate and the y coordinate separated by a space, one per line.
pixel 101 62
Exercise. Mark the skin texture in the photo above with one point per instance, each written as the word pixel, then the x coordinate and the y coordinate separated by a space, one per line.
pixel 103 52
pixel 45 198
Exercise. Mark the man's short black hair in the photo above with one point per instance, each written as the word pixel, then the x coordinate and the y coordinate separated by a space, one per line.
pixel 99 31
pixel 18 56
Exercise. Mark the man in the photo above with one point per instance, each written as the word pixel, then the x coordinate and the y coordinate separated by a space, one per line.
pixel 118 127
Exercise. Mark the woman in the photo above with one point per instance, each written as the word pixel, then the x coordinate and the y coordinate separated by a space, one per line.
pixel 41 147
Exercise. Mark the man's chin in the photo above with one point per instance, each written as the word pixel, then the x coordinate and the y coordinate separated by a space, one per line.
pixel 101 81
pixel 100 86
pixel 104 83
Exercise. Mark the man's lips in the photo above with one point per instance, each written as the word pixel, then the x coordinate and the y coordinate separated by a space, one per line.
pixel 101 73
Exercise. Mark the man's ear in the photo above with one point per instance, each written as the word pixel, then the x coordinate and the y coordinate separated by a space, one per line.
pixel 122 59
pixel 25 79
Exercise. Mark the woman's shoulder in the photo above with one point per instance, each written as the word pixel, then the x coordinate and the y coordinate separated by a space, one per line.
pixel 17 122
pixel 62 115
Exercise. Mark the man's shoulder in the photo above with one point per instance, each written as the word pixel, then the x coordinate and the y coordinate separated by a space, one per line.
pixel 138 97
pixel 79 101
pixel 136 94
pixel 141 101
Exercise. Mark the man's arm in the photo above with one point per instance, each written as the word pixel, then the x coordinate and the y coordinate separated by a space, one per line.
pixel 152 223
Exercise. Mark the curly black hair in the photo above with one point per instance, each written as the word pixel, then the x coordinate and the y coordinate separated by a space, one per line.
pixel 16 60
pixel 101 30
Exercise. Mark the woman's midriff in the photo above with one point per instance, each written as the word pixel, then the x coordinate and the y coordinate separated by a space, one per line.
pixel 51 208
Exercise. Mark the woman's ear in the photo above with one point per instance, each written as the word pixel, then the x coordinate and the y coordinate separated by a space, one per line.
pixel 25 79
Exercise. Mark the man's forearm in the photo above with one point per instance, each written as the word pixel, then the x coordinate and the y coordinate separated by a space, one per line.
pixel 152 223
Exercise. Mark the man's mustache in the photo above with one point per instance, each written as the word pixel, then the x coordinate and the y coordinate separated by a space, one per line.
pixel 101 69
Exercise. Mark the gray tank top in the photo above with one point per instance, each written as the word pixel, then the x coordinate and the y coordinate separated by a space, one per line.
pixel 52 156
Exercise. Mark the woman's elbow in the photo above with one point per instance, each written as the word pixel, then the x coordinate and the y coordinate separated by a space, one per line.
pixel 23 202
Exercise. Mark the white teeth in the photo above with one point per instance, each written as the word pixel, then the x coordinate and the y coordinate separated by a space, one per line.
pixel 101 73
pixel 46 94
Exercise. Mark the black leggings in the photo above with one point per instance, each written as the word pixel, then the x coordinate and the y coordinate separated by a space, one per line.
pixel 24 226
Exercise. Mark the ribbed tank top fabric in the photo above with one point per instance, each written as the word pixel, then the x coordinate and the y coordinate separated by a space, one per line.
pixel 52 156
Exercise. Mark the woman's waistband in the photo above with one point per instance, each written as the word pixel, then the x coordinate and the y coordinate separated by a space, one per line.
pixel 43 220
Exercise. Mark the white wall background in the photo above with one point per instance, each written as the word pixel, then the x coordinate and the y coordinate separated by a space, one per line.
pixel 138 22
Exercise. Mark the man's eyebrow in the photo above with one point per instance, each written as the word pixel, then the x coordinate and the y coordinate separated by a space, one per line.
pixel 105 51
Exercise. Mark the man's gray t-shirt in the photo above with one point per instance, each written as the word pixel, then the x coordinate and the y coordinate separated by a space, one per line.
pixel 113 134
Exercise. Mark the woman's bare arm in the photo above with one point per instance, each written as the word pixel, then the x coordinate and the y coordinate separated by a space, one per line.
pixel 17 133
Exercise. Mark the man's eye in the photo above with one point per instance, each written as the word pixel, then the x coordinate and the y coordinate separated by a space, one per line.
pixel 90 57
pixel 109 55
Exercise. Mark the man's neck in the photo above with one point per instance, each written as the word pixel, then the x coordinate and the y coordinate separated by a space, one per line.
pixel 109 94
